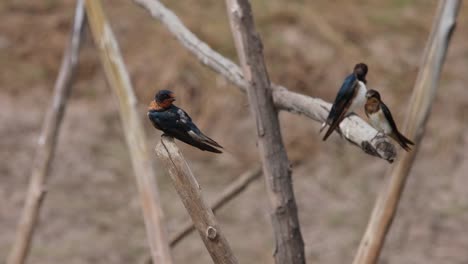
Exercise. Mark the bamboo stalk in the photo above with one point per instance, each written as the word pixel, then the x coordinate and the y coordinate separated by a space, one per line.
pixel 233 190
pixel 356 130
pixel 230 192
pixel 421 101
pixel 47 142
pixel 289 246
pixel 119 80
pixel 189 191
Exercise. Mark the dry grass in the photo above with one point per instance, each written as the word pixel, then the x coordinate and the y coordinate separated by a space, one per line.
pixel 335 185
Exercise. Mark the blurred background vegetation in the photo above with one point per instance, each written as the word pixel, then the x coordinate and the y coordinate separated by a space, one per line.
pixel 91 213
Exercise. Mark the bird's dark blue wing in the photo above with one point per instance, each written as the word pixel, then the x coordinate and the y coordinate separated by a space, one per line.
pixel 399 137
pixel 388 116
pixel 177 123
pixel 343 98
pixel 193 130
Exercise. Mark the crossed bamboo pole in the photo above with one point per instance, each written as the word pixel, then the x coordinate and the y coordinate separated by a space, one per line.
pixel 190 193
pixel 227 194
pixel 47 141
pixel 420 107
pixel 383 212
pixel 289 245
pixel 119 80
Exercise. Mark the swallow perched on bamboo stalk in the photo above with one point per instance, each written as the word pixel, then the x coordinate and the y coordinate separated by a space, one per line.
pixel 176 123
pixel 351 96
pixel 381 119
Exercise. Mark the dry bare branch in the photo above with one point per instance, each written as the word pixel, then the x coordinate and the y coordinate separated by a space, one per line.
pixel 119 80
pixel 189 191
pixel 420 106
pixel 355 129
pixel 47 142
pixel 231 191
pixel 289 246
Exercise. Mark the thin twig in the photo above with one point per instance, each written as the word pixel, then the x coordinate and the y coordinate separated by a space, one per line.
pixel 289 246
pixel 47 142
pixel 119 80
pixel 355 129
pixel 421 102
pixel 230 192
pixel 189 191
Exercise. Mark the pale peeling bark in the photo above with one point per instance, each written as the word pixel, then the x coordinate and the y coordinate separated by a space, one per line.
pixel 289 246
pixel 190 193
pixel 119 80
pixel 357 130
pixel 47 142
pixel 418 114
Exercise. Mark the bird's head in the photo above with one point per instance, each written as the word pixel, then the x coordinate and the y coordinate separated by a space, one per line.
pixel 163 99
pixel 372 94
pixel 164 96
pixel 360 70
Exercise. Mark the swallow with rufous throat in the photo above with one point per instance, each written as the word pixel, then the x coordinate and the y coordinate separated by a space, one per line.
pixel 351 96
pixel 175 122
pixel 381 119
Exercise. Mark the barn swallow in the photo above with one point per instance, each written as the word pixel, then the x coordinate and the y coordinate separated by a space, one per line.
pixel 351 96
pixel 382 120
pixel 176 123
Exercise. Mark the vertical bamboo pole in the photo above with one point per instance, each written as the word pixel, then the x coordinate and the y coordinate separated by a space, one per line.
pixel 189 192
pixel 119 80
pixel 47 142
pixel 289 246
pixel 420 107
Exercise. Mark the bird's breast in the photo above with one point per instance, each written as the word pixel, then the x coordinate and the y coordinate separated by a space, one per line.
pixel 360 97
pixel 379 122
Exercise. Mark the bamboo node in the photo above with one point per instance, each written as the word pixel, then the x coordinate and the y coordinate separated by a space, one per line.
pixel 211 233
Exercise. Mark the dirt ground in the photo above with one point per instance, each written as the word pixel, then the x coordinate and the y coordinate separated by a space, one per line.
pixel 91 213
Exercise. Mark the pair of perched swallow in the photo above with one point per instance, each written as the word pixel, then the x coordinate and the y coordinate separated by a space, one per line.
pixel 176 123
pixel 352 95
